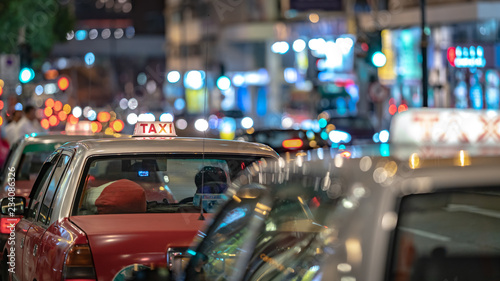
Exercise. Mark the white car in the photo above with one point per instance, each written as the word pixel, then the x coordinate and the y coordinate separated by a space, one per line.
pixel 389 212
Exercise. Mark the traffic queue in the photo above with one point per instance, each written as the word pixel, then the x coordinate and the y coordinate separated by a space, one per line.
pixel 425 207
pixel 99 208
pixel 159 207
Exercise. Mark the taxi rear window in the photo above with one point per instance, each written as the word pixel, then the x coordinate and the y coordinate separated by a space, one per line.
pixel 448 236
pixel 32 159
pixel 157 184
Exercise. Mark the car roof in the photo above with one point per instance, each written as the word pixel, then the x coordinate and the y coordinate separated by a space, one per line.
pixel 169 145
pixel 61 137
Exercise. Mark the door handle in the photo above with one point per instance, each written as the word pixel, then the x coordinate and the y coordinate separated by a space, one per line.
pixel 22 243
pixel 35 249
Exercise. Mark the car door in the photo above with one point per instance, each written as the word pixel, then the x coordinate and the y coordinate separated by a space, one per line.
pixel 41 215
pixel 24 225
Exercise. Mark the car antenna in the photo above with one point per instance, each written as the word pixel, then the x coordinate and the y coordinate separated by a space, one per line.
pixel 202 217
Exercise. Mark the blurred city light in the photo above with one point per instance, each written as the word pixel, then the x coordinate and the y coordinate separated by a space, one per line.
pixel 201 125
pixel 103 116
pixel 39 90
pixel 299 45
pixel 93 34
pixel 106 33
pixel 26 75
pixel 77 111
pixel 142 78
pixel 132 118
pixel 247 123
pixel 62 63
pixel 50 88
pixel 287 122
pixel 81 35
pixel 91 115
pixel 290 75
pixel 193 80
pixel 179 104
pixel 123 103
pixel 146 117
pixel 280 47
pixel 379 59
pixel 132 103
pixel 337 136
pixel 181 124
pixel 18 106
pixel 118 34
pixel 89 58
pixel 173 76
pixel 63 83
pixel 313 17
pixel 384 136
pixel 238 80
pixel 376 138
pixel 118 125
pixel 166 117
pixel 223 83
pixel 19 90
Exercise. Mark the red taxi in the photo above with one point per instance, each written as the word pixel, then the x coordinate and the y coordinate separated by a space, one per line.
pixel 23 163
pixel 100 208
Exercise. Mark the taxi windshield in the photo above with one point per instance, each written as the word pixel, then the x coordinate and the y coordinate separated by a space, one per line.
pixel 157 184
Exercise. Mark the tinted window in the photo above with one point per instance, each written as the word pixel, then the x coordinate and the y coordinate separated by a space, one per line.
pixel 39 188
pixel 157 184
pixel 45 209
pixel 448 236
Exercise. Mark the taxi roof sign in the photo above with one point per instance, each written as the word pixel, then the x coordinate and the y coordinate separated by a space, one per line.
pixel 80 128
pixel 154 129
pixel 446 126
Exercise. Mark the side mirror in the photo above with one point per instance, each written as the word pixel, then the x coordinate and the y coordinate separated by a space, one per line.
pixel 13 205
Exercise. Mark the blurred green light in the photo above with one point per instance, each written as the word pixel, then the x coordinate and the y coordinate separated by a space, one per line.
pixel 26 74
pixel 322 122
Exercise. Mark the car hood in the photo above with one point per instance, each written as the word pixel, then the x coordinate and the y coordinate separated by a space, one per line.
pixel 119 241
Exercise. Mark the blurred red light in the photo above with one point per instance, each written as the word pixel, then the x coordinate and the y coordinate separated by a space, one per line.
pixel 345 154
pixel 402 107
pixel 53 121
pixel 451 55
pixel 364 47
pixel 49 103
pixel 45 123
pixel 58 106
pixel 103 116
pixel 5 224
pixel 72 119
pixel 1 105
pixel 62 115
pixel 393 109
pixel 63 83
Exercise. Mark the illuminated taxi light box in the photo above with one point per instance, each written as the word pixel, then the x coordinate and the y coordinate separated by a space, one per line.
pixel 446 126
pixel 80 128
pixel 154 129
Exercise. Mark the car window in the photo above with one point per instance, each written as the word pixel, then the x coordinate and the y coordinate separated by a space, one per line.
pixel 157 184
pixel 283 244
pixel 32 160
pixel 39 187
pixel 448 236
pixel 45 209
pixel 226 247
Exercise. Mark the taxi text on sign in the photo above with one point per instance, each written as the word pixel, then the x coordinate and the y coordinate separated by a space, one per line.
pixel 149 129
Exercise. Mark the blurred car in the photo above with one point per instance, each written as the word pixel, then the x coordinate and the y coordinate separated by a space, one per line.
pixel 100 208
pixel 391 212
pixel 286 140
pixel 354 130
pixel 23 163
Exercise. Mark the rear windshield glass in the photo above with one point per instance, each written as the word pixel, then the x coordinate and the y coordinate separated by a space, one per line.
pixel 448 236
pixel 157 184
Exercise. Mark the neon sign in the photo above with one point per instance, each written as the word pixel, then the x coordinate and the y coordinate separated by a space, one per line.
pixel 466 57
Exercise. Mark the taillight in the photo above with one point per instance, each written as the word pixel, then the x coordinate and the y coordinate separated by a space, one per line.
pixel 292 143
pixel 7 224
pixel 79 264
